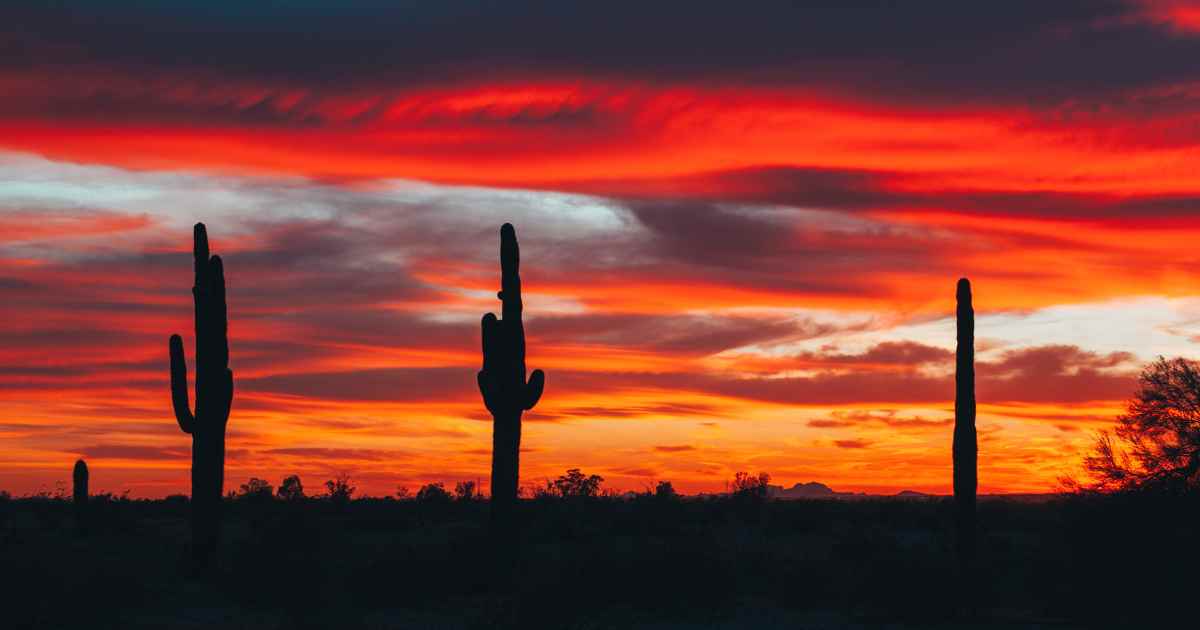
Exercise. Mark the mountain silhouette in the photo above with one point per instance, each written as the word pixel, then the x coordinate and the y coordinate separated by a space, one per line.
pixel 810 490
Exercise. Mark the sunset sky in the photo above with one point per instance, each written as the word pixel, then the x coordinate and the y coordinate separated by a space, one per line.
pixel 740 233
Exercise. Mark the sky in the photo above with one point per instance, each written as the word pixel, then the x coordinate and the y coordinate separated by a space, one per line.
pixel 740 233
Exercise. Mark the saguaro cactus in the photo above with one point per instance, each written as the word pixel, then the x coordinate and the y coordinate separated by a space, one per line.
pixel 214 395
pixel 965 446
pixel 502 383
pixel 80 478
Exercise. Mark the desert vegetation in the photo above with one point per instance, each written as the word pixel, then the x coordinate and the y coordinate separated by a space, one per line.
pixel 569 552
pixel 597 558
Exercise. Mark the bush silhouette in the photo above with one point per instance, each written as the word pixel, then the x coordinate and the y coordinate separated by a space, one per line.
pixel 290 489
pixel 338 490
pixel 747 487
pixel 665 491
pixel 256 490
pixel 576 485
pixel 467 491
pixel 214 396
pixel 433 493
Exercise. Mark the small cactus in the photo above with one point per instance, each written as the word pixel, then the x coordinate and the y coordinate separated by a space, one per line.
pixel 80 479
pixel 214 395
pixel 506 392
pixel 965 446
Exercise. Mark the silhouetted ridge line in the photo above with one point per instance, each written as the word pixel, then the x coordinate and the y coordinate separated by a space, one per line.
pixel 506 394
pixel 965 446
pixel 214 395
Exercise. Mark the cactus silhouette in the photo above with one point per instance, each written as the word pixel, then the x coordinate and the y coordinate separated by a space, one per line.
pixel 505 391
pixel 214 395
pixel 80 479
pixel 965 446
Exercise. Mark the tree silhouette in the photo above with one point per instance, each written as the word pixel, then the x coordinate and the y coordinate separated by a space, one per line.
pixel 290 489
pixel 965 448
pixel 665 491
pixel 467 491
pixel 1156 443
pixel 256 490
pixel 80 479
pixel 433 493
pixel 506 393
pixel 339 491
pixel 214 396
pixel 576 485
pixel 750 487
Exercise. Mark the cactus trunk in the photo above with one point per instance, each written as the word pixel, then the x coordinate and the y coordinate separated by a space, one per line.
pixel 208 477
pixel 80 492
pixel 214 395
pixel 506 466
pixel 965 446
pixel 507 395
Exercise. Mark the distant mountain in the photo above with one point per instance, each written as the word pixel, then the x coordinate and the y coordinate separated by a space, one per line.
pixel 818 490
pixel 810 490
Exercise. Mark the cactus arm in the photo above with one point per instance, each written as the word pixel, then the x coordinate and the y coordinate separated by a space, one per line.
pixel 533 390
pixel 179 386
pixel 219 335
pixel 484 389
pixel 218 311
pixel 490 327
pixel 491 333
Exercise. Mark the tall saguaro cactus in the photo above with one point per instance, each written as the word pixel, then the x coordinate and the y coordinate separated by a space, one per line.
pixel 506 392
pixel 965 446
pixel 80 493
pixel 214 395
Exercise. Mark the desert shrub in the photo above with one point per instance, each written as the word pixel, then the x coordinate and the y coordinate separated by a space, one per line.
pixel 467 491
pixel 576 485
pixel 433 494
pixel 255 490
pixel 664 491
pixel 338 490
pixel 750 487
pixel 290 489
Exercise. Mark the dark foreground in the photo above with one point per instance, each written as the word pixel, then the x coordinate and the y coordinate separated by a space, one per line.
pixel 602 563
